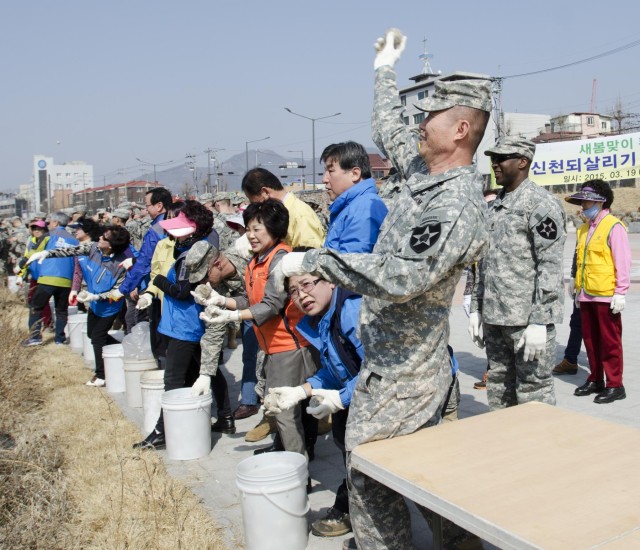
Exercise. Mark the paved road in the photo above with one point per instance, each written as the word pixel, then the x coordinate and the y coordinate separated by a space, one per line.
pixel 213 477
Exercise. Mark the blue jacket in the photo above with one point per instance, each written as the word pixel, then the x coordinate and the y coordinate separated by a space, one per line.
pixel 333 374
pixel 142 267
pixel 355 218
pixel 180 318
pixel 101 274
pixel 58 271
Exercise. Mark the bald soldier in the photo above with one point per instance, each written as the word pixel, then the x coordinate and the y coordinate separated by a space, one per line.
pixel 518 297
pixel 435 227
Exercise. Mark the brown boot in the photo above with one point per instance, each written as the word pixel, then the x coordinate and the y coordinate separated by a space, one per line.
pixel 265 427
pixel 482 385
pixel 565 367
pixel 232 331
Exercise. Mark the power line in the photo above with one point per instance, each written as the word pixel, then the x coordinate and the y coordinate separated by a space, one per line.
pixel 579 62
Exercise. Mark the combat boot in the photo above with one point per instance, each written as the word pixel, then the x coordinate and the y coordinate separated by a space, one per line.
pixel 265 427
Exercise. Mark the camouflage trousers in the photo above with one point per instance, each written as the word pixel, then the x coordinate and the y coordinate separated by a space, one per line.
pixel 512 380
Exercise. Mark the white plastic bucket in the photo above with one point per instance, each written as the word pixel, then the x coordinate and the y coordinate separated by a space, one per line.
pixel 72 310
pixel 187 424
pixel 87 350
pixel 133 369
pixel 273 500
pixel 114 368
pixel 152 386
pixel 75 324
pixel 12 283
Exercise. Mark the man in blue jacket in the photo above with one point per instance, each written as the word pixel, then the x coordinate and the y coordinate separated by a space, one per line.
pixel 330 325
pixel 356 211
pixel 54 279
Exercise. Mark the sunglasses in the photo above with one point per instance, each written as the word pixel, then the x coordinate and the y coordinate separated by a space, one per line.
pixel 498 159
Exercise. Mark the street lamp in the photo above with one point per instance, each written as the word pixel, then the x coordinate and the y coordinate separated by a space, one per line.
pixel 154 164
pixel 301 163
pixel 246 149
pixel 313 137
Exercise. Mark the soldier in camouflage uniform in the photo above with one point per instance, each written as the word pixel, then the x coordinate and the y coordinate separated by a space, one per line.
pixel 519 294
pixel 18 237
pixel 225 233
pixel 226 276
pixel 435 227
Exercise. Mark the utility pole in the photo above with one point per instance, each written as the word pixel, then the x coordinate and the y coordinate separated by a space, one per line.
pixel 211 156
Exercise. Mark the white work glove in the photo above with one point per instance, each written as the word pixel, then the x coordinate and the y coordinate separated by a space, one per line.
pixel 85 297
pixel 115 295
pixel 126 263
pixel 389 49
pixel 216 316
pixel 475 329
pixel 73 298
pixel 330 403
pixel 16 270
pixel 466 304
pixel 534 341
pixel 617 303
pixel 571 289
pixel 206 296
pixel 291 264
pixel 201 386
pixel 283 398
pixel 144 301
pixel 38 257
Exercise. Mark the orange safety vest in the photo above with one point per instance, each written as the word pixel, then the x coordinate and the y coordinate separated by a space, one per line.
pixel 279 333
pixel 595 270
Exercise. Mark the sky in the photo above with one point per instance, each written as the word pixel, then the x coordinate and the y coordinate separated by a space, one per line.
pixel 110 81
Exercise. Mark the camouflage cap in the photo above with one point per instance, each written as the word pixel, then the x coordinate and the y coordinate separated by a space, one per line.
pixel 125 204
pixel 122 213
pixel 79 209
pixel 238 199
pixel 475 93
pixel 205 197
pixel 221 196
pixel 513 145
pixel 40 215
pixel 198 259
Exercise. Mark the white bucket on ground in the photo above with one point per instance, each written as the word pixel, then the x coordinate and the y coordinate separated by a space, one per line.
pixel 75 323
pixel 87 350
pixel 117 334
pixel 273 498
pixel 114 368
pixel 72 310
pixel 133 369
pixel 12 283
pixel 152 386
pixel 187 424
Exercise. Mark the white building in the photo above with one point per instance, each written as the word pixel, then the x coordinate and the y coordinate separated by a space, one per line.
pixel 53 183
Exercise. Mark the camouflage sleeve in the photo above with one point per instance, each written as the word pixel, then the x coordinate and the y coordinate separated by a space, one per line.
pixel 442 239
pixel 211 344
pixel 477 291
pixel 389 132
pixel 547 226
pixel 80 250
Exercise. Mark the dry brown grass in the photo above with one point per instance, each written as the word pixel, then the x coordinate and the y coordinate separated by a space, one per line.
pixel 109 496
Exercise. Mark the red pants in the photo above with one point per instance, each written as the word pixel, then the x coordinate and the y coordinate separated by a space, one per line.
pixel 602 334
pixel 46 312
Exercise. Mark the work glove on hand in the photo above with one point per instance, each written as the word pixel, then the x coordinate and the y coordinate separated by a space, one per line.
pixel 85 297
pixel 126 263
pixel 201 386
pixel 38 257
pixel 475 329
pixel 17 269
pixel 270 403
pixel 466 304
pixel 144 301
pixel 534 341
pixel 216 316
pixel 73 298
pixel 206 296
pixel 291 264
pixel 389 49
pixel 617 303
pixel 115 295
pixel 285 398
pixel 330 403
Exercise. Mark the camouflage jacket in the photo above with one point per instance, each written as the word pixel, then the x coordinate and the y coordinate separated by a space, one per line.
pixel 435 227
pixel 225 233
pixel 521 278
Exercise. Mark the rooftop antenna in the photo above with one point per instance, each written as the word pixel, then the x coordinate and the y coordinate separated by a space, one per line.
pixel 425 57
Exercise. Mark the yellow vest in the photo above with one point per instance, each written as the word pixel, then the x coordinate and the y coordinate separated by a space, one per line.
pixel 596 272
